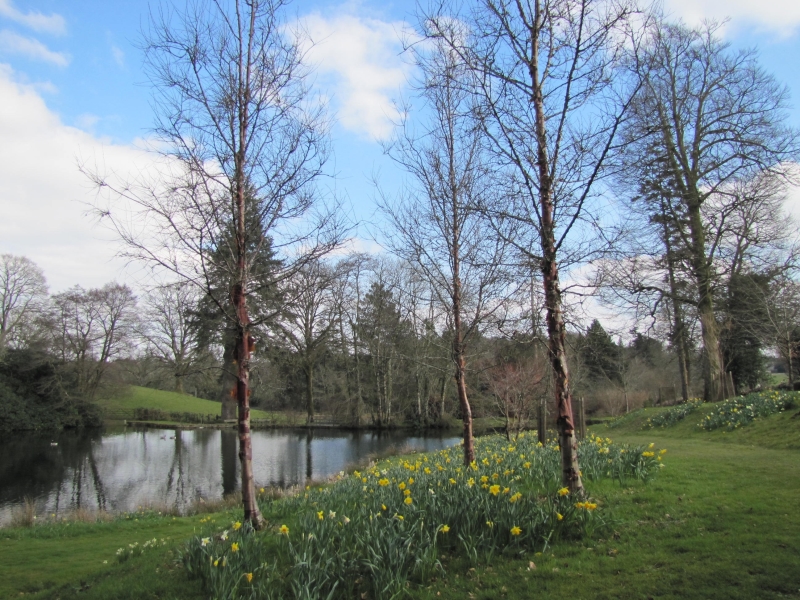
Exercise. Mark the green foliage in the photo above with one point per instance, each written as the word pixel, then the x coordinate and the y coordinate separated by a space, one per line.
pixel 376 531
pixel 673 414
pixel 742 410
pixel 600 355
pixel 34 397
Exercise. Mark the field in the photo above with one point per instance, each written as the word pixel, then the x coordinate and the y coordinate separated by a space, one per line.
pixel 719 521
pixel 121 408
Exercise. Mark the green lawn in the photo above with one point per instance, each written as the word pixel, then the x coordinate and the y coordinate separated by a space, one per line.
pixel 719 521
pixel 122 407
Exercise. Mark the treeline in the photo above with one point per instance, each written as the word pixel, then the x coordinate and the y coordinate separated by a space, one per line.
pixel 363 341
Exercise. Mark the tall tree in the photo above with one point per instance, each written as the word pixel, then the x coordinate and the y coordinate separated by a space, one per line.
pixel 23 294
pixel 714 119
pixel 310 320
pixel 242 137
pixel 549 75
pixel 90 328
pixel 436 225
pixel 170 331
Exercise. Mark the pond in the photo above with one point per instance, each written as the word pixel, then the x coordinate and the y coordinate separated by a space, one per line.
pixel 121 470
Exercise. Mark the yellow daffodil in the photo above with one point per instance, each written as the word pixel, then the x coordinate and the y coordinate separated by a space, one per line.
pixel 408 500
pixel 494 490
pixel 402 485
pixel 321 515
pixel 284 530
pixel 559 516
pixel 563 491
pixel 515 530
pixel 237 526
pixel 249 577
pixel 234 547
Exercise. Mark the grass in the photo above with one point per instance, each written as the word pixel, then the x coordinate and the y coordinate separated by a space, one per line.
pixel 720 521
pixel 122 407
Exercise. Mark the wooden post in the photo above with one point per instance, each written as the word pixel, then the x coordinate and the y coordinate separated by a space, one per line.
pixel 542 423
pixel 581 419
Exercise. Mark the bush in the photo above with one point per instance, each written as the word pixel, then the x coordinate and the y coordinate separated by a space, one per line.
pixel 372 533
pixel 156 414
pixel 742 410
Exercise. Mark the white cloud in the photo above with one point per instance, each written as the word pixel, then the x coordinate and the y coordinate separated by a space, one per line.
pixel 118 55
pixel 780 16
pixel 360 58
pixel 43 196
pixel 54 23
pixel 14 43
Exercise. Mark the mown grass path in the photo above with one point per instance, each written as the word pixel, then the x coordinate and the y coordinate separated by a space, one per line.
pixel 720 521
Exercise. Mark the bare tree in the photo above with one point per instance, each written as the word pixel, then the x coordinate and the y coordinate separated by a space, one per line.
pixel 91 328
pixel 713 119
pixel 783 311
pixel 23 294
pixel 169 330
pixel 245 144
pixel 436 226
pixel 554 96
pixel 310 320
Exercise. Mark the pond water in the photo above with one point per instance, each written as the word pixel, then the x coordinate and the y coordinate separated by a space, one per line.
pixel 120 470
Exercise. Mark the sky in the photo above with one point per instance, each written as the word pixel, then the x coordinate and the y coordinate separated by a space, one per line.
pixel 73 94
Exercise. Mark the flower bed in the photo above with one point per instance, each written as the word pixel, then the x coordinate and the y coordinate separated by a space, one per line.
pixel 373 532
pixel 741 410
pixel 673 415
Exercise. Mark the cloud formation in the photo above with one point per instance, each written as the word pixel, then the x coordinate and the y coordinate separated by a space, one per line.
pixel 779 16
pixel 43 196
pixel 54 24
pixel 14 43
pixel 360 60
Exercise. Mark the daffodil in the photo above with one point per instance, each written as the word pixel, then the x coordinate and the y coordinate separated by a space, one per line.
pixel 237 526
pixel 321 515
pixel 234 547
pixel 408 500
pixel 494 490
pixel 445 528
pixel 563 491
pixel 284 530
pixel 515 530
pixel 249 577
pixel 205 542
pixel 559 516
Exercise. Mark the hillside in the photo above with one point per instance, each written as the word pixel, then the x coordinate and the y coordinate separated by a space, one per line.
pixel 122 407
pixel 779 431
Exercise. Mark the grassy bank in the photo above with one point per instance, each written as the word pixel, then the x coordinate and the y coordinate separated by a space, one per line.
pixel 122 407
pixel 720 521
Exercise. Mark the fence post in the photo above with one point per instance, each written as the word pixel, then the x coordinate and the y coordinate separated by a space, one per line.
pixel 541 418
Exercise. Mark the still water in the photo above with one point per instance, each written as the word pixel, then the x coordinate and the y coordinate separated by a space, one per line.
pixel 120 470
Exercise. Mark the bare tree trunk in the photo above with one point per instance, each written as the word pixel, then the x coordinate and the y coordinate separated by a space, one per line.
pixel 309 369
pixel 243 345
pixel 359 394
pixel 570 472
pixel 228 380
pixel 705 307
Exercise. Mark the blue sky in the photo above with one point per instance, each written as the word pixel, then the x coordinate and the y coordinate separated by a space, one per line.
pixel 72 89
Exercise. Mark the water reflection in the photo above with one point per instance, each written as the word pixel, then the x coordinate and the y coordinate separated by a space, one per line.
pixel 120 470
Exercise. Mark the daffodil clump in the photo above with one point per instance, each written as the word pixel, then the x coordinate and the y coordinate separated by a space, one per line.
pixel 674 414
pixel 741 410
pixel 374 531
